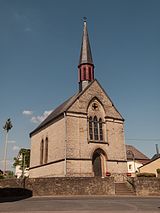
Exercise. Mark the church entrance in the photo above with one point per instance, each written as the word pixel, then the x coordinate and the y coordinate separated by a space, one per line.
pixel 99 163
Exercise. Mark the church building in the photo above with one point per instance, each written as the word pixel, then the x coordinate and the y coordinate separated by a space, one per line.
pixel 84 136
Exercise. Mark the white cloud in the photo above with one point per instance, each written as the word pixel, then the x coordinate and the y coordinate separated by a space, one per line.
pixel 16 148
pixel 27 112
pixel 12 142
pixel 39 119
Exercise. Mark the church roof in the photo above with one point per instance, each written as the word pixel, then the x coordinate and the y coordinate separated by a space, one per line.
pixel 132 152
pixel 59 111
pixel 85 55
pixel 56 113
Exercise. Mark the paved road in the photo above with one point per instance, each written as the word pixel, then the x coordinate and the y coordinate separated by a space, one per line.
pixel 82 204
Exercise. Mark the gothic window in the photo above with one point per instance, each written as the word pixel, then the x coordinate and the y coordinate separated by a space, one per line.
pixel 95 128
pixel 41 151
pixel 46 151
pixel 90 128
pixel 100 130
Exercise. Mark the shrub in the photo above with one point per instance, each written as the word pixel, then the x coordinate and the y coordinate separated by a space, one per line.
pixel 1 176
pixel 158 171
pixel 145 174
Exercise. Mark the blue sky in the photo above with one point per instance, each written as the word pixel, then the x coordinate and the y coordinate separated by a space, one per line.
pixel 39 53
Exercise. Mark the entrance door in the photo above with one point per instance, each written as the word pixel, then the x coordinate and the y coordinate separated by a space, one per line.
pixel 97 167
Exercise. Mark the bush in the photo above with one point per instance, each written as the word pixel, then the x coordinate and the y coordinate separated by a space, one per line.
pixel 145 174
pixel 158 171
pixel 1 176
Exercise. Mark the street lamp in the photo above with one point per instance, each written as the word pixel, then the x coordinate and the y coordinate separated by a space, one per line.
pixel 6 127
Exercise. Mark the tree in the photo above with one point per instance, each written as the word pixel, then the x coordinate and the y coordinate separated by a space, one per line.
pixel 22 160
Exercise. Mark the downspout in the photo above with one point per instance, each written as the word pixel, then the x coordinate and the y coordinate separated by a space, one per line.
pixel 65 145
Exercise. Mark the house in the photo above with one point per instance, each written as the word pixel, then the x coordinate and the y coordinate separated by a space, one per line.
pixel 135 159
pixel 152 165
pixel 84 136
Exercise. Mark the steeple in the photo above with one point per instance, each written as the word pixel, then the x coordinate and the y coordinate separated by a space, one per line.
pixel 86 66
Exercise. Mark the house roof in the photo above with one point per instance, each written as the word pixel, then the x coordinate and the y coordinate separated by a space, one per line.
pixel 133 153
pixel 156 156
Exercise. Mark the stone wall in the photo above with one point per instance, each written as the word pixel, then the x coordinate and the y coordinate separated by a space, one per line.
pixel 147 186
pixel 63 186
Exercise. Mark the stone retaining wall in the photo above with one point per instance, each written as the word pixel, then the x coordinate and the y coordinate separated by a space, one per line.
pixel 147 186
pixel 63 186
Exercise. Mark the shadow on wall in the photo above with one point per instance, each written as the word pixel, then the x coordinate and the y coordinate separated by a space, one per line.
pixel 14 194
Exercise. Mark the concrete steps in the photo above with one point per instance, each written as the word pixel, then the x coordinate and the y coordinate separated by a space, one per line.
pixel 123 189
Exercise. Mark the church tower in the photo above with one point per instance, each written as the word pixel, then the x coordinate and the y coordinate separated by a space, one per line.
pixel 86 66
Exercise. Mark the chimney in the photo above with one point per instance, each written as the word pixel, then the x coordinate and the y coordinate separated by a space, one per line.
pixel 157 149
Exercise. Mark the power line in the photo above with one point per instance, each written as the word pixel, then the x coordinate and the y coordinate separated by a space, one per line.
pixel 142 139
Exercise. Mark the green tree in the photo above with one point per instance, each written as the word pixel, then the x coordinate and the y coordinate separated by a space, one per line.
pixel 22 160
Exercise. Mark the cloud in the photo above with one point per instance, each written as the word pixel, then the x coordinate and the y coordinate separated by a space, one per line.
pixel 12 142
pixel 27 29
pixel 16 148
pixel 39 119
pixel 27 112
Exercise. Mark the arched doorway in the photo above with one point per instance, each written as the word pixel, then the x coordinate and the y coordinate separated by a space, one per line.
pixel 99 163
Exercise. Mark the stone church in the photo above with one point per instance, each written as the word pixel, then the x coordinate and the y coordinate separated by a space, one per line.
pixel 84 136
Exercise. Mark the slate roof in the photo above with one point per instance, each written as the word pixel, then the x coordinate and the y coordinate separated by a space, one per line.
pixel 85 55
pixel 137 154
pixel 55 113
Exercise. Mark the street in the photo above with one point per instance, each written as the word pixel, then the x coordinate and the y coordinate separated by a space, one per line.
pixel 85 204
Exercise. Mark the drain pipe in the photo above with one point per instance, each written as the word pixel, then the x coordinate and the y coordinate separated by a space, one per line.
pixel 65 145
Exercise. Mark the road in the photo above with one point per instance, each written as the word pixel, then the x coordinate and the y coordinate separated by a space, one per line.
pixel 81 204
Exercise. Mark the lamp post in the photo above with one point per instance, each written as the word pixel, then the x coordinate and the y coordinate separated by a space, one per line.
pixel 6 127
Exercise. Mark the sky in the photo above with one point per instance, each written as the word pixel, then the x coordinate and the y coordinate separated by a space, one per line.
pixel 39 52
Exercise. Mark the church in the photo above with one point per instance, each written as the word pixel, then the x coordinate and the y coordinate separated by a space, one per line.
pixel 84 136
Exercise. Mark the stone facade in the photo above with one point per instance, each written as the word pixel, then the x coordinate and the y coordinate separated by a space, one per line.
pixel 70 149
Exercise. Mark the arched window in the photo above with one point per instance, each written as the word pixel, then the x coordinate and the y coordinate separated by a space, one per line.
pixel 84 73
pixel 95 128
pixel 90 128
pixel 100 130
pixel 41 151
pixel 46 151
pixel 90 73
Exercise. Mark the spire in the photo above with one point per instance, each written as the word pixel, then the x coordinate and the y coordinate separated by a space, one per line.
pixel 85 55
pixel 86 66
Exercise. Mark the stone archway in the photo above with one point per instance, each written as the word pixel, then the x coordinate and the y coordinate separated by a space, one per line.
pixel 99 163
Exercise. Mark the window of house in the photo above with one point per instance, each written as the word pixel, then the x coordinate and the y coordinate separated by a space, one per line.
pixel 130 166
pixel 90 128
pixel 95 128
pixel 46 151
pixel 100 130
pixel 84 73
pixel 41 151
pixel 90 73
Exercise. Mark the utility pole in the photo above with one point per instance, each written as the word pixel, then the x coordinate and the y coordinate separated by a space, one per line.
pixel 6 127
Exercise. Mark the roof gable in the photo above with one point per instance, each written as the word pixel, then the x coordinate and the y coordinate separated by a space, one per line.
pixel 73 102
